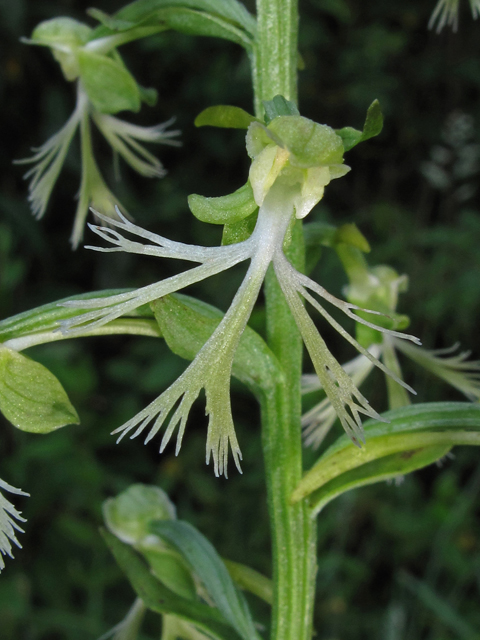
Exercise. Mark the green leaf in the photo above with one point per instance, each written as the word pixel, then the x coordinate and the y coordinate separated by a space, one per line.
pixel 350 234
pixel 372 127
pixel 210 569
pixel 61 31
pixel 414 437
pixel 170 568
pixel 310 144
pixel 48 316
pixel 149 95
pixel 279 106
pixel 30 396
pixel 160 599
pixel 180 16
pixel 110 87
pixel 197 23
pixel 250 580
pixel 111 22
pixel 225 209
pixel 187 323
pixel 224 116
pixel 239 231
pixel 140 11
pixel 128 514
pixel 439 606
pixel 319 233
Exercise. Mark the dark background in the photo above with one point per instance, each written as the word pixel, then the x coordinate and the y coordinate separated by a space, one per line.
pixel 420 216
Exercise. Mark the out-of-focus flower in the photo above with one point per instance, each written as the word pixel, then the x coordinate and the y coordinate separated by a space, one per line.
pixel 104 86
pixel 446 13
pixel 378 288
pixel 8 525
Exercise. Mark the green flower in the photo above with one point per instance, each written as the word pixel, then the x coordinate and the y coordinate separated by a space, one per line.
pixel 104 86
pixel 293 159
pixel 297 152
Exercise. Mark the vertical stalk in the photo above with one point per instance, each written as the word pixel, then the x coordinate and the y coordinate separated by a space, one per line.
pixel 293 531
pixel 275 57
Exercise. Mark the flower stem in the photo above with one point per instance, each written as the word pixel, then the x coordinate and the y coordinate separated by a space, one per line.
pixel 275 56
pixel 293 530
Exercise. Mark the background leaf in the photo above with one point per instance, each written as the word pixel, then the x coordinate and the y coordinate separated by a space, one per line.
pixel 31 397
pixel 415 436
pixel 224 116
pixel 159 598
pixel 110 87
pixel 209 567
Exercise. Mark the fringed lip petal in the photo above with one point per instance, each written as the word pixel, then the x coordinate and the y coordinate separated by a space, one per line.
pixel 456 370
pixel 210 370
pixel 49 160
pixel 348 308
pixel 123 138
pixel 346 399
pixel 317 422
pixel 164 248
pixel 107 309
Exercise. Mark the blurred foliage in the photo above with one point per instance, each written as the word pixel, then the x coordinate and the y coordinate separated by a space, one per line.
pixel 375 544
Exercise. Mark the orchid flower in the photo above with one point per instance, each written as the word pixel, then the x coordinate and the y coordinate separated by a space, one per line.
pixel 446 13
pixel 8 526
pixel 91 64
pixel 293 159
pixel 378 288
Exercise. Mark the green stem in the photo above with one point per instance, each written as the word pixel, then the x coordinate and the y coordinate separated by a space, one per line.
pixel 275 57
pixel 293 530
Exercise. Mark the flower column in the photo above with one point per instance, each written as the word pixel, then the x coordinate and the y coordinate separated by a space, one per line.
pixel 293 532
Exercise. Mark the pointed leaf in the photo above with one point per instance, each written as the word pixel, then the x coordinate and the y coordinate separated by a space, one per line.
pixel 439 606
pixel 414 437
pixel 31 397
pixel 162 600
pixel 136 13
pixel 250 580
pixel 198 23
pixel 112 23
pixel 372 127
pixel 224 116
pixel 209 567
pixel 225 209
pixel 149 95
pixel 128 515
pixel 239 231
pixel 350 234
pixel 110 87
